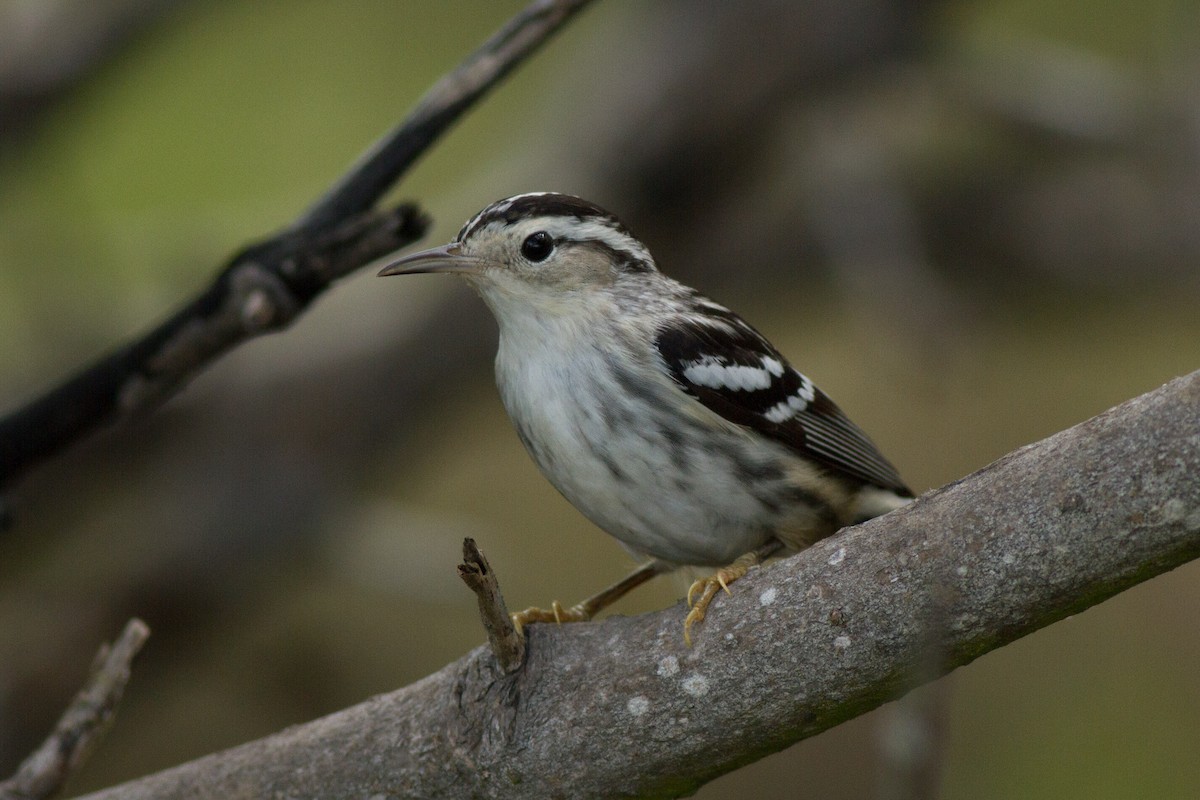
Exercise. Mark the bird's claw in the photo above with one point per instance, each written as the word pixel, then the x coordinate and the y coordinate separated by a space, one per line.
pixel 556 614
pixel 708 588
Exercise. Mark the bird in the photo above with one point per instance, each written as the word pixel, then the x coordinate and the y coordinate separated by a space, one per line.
pixel 664 417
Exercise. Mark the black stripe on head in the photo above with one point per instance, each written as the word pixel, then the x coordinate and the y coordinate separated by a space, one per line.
pixel 625 261
pixel 524 206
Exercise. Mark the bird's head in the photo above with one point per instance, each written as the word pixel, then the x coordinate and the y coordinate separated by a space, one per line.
pixel 535 248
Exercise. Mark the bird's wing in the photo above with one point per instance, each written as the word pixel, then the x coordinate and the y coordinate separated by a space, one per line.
pixel 727 365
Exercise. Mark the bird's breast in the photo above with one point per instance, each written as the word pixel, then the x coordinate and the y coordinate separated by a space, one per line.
pixel 639 457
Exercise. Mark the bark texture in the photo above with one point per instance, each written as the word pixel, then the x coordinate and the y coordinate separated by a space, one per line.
pixel 622 708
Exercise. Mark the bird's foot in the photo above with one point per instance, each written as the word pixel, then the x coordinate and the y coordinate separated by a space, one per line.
pixel 703 590
pixel 556 613
pixel 582 612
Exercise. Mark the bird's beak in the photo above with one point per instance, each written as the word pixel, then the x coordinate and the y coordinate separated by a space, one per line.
pixel 447 258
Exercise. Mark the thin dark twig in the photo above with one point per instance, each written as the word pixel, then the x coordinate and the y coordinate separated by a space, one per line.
pixel 440 108
pixel 267 285
pixel 43 773
pixel 507 645
pixel 264 288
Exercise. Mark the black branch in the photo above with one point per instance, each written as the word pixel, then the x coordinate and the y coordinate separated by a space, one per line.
pixel 267 285
pixel 262 289
pixel 621 708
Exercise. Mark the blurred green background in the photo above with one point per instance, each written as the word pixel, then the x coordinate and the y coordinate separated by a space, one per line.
pixel 973 224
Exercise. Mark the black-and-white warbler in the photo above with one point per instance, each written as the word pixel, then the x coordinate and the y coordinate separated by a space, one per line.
pixel 661 415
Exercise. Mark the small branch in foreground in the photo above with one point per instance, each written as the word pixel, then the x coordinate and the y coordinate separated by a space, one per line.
pixel 80 727
pixel 620 708
pixel 507 645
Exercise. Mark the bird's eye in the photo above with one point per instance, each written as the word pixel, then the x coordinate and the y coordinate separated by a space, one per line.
pixel 537 246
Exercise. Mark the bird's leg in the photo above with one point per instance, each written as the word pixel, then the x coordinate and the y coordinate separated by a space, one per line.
pixel 707 588
pixel 584 611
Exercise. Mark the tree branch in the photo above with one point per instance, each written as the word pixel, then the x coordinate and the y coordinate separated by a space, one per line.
pixel 507 645
pixel 263 288
pixel 440 108
pixel 267 285
pixel 43 774
pixel 622 708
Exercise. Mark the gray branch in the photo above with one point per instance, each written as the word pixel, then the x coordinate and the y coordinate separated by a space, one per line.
pixel 507 645
pixel 623 708
pixel 43 774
